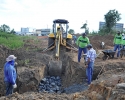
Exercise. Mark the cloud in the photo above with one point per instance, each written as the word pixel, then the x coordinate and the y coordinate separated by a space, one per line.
pixel 40 13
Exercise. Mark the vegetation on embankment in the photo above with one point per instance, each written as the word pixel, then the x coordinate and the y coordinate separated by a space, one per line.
pixel 13 41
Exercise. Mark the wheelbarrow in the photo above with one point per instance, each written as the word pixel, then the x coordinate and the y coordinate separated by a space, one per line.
pixel 122 52
pixel 108 54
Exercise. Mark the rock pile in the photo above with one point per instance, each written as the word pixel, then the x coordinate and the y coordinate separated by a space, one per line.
pixel 50 85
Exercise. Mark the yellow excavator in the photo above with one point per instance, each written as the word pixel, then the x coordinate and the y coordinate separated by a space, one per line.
pixel 59 37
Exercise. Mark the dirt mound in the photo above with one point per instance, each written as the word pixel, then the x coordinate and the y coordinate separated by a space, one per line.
pixel 37 96
pixel 29 78
pixel 96 41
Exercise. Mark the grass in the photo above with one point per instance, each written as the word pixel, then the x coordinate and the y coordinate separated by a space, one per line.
pixel 13 41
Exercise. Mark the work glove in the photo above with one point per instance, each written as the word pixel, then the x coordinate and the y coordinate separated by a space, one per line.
pixel 16 63
pixel 14 86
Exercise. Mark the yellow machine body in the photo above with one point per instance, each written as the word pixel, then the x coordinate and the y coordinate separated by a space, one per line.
pixel 57 39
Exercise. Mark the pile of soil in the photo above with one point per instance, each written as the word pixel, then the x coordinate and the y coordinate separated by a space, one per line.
pixel 96 41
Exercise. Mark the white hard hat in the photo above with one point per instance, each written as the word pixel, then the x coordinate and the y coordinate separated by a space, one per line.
pixel 11 57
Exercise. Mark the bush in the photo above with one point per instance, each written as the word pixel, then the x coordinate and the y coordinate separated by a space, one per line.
pixel 10 40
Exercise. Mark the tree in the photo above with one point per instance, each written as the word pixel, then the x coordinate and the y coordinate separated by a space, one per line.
pixel 12 31
pixel 84 26
pixel 5 28
pixel 71 31
pixel 111 18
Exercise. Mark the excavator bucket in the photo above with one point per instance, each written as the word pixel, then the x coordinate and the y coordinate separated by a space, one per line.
pixel 55 68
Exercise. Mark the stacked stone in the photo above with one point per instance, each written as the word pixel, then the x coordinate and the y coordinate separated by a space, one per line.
pixel 50 85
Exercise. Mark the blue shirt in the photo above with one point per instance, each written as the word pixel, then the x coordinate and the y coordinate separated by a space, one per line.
pixel 91 54
pixel 10 72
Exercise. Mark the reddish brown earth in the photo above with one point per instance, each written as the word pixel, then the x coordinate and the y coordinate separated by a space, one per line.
pixel 32 67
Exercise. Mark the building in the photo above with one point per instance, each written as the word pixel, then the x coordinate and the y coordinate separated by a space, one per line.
pixel 117 27
pixel 38 32
pixel 45 32
pixel 123 29
pixel 42 32
pixel 24 30
pixel 27 31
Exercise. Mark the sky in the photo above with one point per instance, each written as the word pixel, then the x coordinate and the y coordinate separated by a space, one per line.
pixel 41 13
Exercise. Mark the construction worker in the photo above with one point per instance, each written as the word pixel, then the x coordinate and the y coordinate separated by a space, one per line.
pixel 123 41
pixel 10 74
pixel 90 59
pixel 82 42
pixel 74 39
pixel 58 28
pixel 117 43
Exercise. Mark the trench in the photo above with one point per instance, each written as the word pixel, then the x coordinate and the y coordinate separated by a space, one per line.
pixel 72 80
pixel 54 84
pixel 30 74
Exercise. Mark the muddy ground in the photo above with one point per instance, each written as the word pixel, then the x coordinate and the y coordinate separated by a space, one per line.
pixel 33 65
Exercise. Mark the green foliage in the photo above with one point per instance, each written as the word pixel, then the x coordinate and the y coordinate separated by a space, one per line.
pixel 11 41
pixel 26 61
pixel 4 28
pixel 85 27
pixel 12 31
pixel 111 18
pixel 71 31
pixel 93 32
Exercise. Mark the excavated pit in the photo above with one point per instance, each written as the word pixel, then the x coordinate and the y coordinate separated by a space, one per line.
pixel 73 77
pixel 33 67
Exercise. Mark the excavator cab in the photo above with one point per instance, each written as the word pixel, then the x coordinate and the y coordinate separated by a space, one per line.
pixel 63 24
pixel 58 37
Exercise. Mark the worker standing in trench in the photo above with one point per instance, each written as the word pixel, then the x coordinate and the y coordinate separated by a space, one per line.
pixel 10 74
pixel 117 43
pixel 82 43
pixel 90 59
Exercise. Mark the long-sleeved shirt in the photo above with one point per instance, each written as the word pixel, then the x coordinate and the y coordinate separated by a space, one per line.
pixel 91 54
pixel 118 39
pixel 123 40
pixel 10 72
pixel 82 42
